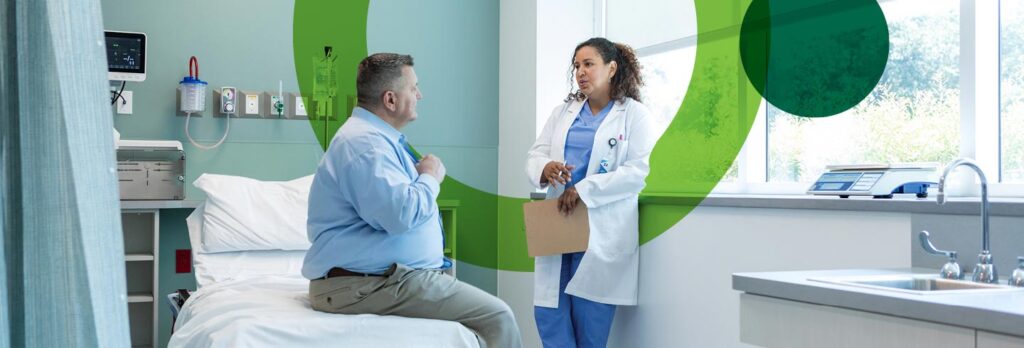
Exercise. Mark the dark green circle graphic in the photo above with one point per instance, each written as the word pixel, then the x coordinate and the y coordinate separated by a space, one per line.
pixel 814 58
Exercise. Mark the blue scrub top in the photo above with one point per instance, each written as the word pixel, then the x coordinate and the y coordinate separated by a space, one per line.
pixel 580 140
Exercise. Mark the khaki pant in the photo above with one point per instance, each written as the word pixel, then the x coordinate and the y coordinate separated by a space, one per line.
pixel 420 294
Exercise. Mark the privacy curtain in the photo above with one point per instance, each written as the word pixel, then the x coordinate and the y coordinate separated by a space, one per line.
pixel 62 276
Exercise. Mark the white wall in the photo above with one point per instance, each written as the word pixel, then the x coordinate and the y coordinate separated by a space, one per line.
pixel 686 297
pixel 517 93
pixel 517 81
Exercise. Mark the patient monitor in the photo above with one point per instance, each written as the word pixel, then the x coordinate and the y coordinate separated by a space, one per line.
pixel 126 56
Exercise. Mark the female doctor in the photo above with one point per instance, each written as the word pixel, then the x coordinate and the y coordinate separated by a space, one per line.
pixel 594 149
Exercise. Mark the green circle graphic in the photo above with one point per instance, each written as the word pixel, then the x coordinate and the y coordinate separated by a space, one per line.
pixel 814 58
pixel 810 67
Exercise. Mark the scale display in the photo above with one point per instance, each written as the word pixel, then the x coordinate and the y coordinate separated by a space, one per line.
pixel 859 181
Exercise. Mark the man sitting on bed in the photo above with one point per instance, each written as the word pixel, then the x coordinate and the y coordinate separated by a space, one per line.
pixel 374 223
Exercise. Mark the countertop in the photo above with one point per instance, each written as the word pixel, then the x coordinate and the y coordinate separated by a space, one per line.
pixel 153 205
pixel 1000 312
pixel 998 206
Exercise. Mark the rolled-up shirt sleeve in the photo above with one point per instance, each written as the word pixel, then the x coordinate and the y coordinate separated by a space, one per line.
pixel 384 195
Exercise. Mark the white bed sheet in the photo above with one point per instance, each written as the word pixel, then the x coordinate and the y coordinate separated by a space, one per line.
pixel 274 311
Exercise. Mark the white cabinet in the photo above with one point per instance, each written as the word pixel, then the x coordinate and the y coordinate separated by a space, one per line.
pixel 141 247
pixel 772 322
pixel 993 340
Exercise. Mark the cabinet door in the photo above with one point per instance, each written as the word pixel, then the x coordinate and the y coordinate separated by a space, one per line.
pixel 771 322
pixel 993 340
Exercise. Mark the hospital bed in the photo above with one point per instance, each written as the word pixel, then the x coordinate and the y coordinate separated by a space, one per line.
pixel 248 241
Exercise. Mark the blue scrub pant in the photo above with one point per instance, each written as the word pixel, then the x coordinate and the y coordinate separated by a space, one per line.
pixel 577 322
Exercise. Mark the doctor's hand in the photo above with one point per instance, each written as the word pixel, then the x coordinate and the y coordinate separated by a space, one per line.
pixel 556 172
pixel 431 165
pixel 568 201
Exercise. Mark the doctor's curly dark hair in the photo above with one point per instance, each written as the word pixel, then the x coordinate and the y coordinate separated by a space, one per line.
pixel 627 80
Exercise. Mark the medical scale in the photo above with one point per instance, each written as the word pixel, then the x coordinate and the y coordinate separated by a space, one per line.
pixel 876 180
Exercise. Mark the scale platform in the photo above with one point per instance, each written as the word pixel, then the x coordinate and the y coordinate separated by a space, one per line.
pixel 876 180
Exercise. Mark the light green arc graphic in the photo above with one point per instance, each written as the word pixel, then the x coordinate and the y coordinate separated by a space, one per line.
pixel 691 157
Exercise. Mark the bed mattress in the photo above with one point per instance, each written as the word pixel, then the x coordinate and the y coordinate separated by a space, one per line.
pixel 274 311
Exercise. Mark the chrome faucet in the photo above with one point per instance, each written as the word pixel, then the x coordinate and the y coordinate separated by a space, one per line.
pixel 1017 277
pixel 984 270
pixel 951 270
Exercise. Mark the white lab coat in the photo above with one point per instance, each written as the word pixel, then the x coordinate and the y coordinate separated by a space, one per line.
pixel 608 271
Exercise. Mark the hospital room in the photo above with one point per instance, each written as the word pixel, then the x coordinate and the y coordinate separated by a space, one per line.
pixel 498 173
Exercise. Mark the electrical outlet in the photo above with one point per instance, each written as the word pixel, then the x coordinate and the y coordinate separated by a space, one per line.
pixel 300 107
pixel 252 104
pixel 124 104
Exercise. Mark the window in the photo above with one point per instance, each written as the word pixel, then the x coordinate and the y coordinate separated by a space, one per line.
pixel 936 100
pixel 913 115
pixel 1011 51
pixel 666 77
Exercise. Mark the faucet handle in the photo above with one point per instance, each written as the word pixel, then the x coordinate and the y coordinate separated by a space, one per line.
pixel 951 270
pixel 1017 278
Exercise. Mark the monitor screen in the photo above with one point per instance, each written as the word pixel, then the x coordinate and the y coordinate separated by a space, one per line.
pixel 126 55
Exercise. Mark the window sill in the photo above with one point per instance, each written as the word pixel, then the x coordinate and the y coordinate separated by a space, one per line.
pixel 998 206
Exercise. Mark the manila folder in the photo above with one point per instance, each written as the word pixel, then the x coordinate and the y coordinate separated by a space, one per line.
pixel 548 232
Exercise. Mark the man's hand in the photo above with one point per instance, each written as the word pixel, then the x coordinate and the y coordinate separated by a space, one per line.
pixel 556 172
pixel 431 165
pixel 568 201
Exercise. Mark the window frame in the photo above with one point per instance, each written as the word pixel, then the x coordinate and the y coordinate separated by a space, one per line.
pixel 980 104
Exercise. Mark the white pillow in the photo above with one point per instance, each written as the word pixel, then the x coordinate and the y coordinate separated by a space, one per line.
pixel 247 214
pixel 211 268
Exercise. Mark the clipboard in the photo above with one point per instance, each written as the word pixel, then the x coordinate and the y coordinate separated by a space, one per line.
pixel 548 232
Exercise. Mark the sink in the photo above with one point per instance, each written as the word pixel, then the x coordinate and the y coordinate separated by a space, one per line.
pixel 922 284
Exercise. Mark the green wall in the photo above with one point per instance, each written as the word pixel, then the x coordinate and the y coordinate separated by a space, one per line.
pixel 244 44
pixel 455 47
pixel 248 45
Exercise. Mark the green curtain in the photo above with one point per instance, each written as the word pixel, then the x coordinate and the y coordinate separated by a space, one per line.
pixel 62 274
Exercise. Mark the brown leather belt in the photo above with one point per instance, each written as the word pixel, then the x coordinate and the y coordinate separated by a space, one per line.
pixel 341 272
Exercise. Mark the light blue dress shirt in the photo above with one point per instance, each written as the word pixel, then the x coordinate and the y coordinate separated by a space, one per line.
pixel 580 140
pixel 368 207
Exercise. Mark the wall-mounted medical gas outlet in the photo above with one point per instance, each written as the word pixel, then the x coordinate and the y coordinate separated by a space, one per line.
pixel 274 105
pixel 250 104
pixel 227 101
pixel 296 107
pixel 124 103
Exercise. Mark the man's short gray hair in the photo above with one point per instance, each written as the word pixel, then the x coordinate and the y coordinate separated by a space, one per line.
pixel 378 73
